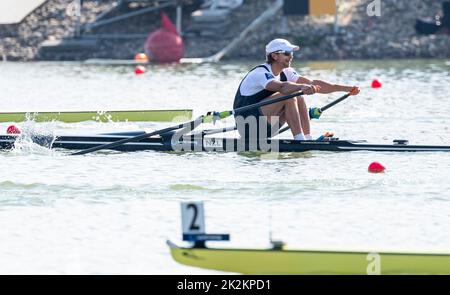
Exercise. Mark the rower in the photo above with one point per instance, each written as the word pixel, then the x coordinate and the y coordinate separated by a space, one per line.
pixel 276 78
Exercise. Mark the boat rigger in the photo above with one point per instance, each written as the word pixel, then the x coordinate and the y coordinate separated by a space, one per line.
pixel 177 115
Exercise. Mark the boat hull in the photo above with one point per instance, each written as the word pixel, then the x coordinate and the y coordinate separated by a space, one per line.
pixel 252 261
pixel 202 144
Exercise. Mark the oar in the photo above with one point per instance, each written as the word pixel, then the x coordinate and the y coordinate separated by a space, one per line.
pixel 320 110
pixel 315 113
pixel 326 107
pixel 193 123
pixel 210 116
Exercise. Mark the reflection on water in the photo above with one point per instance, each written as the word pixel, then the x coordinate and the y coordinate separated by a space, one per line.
pixel 258 155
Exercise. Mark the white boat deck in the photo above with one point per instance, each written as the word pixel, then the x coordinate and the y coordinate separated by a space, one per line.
pixel 13 11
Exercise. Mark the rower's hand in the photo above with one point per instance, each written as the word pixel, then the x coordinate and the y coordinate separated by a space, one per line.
pixel 354 90
pixel 310 89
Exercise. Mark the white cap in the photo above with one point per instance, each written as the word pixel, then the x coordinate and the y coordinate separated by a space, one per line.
pixel 280 45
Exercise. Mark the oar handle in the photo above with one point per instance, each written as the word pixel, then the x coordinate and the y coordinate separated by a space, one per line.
pixel 334 102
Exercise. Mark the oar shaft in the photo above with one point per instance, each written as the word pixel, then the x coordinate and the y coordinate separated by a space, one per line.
pixel 334 102
pixel 284 129
pixel 139 137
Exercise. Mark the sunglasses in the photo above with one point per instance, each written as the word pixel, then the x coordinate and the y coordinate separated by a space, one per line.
pixel 286 53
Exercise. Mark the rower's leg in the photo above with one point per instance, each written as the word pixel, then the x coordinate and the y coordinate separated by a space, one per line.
pixel 287 110
pixel 292 116
pixel 304 115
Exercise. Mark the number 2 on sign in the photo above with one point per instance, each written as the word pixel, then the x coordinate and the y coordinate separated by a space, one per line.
pixel 192 218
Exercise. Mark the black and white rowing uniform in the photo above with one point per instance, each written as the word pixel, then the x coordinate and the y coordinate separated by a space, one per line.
pixel 253 87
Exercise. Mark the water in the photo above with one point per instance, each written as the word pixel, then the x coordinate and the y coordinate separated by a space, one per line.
pixel 111 213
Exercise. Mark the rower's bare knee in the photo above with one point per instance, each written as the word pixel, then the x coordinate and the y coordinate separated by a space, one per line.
pixel 291 102
pixel 301 101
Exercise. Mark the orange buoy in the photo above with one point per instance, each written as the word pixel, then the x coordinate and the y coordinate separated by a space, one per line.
pixel 376 167
pixel 376 84
pixel 141 57
pixel 138 70
pixel 12 129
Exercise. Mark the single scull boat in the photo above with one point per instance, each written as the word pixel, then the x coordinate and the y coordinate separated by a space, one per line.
pixel 278 260
pixel 205 143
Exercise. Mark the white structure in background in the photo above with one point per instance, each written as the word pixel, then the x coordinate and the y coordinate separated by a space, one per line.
pixel 214 17
pixel 222 4
pixel 14 11
pixel 256 23
pixel 74 9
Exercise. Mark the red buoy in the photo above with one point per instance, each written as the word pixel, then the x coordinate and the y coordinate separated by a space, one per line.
pixel 138 70
pixel 13 130
pixel 376 84
pixel 165 44
pixel 376 167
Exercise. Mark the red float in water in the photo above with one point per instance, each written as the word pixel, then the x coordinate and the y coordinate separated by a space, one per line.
pixel 376 84
pixel 138 70
pixel 165 44
pixel 13 130
pixel 376 167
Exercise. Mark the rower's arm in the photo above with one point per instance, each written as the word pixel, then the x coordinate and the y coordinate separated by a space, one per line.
pixel 290 87
pixel 325 87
